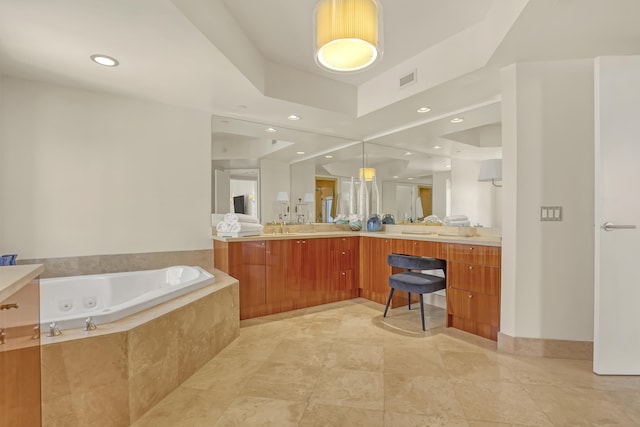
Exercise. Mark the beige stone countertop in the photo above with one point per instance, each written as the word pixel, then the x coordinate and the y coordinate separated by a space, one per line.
pixel 468 235
pixel 15 277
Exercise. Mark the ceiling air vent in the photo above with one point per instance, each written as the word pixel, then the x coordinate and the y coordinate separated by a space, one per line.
pixel 409 78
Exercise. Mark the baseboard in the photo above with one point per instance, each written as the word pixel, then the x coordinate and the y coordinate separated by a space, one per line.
pixel 540 347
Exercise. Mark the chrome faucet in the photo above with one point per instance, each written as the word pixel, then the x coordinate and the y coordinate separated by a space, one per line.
pixel 54 331
pixel 88 324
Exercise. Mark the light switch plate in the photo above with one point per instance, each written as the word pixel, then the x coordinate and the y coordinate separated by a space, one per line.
pixel 550 213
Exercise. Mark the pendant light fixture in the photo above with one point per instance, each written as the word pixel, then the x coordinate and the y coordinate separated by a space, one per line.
pixel 348 34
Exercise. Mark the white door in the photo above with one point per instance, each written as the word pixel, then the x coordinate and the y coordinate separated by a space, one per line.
pixel 617 203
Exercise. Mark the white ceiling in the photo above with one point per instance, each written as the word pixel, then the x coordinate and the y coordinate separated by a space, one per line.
pixel 251 60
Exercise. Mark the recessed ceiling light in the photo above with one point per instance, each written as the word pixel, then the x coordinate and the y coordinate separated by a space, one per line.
pixel 423 110
pixel 457 120
pixel 395 176
pixel 328 156
pixel 447 166
pixel 105 60
pixel 293 117
pixel 409 178
pixel 407 153
pixel 436 147
pixel 299 152
pixel 270 130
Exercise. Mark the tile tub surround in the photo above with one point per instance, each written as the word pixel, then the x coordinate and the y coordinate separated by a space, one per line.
pixel 308 368
pixel 111 376
pixel 99 264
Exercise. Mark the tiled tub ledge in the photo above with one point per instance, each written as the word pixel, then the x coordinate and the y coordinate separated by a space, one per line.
pixel 114 374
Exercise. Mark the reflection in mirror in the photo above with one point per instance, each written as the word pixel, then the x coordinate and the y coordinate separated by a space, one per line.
pixel 417 185
pixel 257 162
pixel 428 169
pixel 406 179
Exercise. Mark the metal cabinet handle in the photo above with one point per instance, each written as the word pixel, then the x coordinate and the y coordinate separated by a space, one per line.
pixel 608 226
pixel 470 296
pixel 471 267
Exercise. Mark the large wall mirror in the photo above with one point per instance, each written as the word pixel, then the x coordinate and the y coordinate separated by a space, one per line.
pixel 280 174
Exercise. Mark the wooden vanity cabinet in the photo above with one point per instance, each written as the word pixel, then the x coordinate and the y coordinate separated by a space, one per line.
pixel 418 248
pixel 344 265
pixel 473 289
pixel 246 262
pixel 283 275
pixel 20 383
pixel 374 270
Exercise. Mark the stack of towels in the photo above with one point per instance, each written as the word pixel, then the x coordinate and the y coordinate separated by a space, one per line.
pixel 457 221
pixel 236 225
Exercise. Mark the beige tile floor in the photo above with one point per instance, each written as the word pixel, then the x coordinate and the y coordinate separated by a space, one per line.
pixel 343 364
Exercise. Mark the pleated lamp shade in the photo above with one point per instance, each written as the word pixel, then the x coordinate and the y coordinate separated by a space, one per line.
pixel 348 34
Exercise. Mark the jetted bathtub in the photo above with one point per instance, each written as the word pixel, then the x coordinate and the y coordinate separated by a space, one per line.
pixel 105 298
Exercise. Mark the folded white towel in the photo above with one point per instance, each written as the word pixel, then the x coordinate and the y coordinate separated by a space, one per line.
pixel 222 226
pixel 234 217
pixel 216 218
pixel 456 218
pixel 457 223
pixel 243 226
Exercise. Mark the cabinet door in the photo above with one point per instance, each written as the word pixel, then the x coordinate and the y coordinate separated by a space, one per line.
pixel 474 312
pixel 375 270
pixel 20 358
pixel 281 290
pixel 318 254
pixel 473 277
pixel 247 264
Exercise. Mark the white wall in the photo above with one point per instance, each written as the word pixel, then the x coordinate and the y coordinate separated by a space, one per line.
pixel 405 201
pixel 247 188
pixel 222 191
pixel 548 140
pixel 388 198
pixel 439 195
pixel 303 180
pixel 470 197
pixel 274 177
pixel 84 173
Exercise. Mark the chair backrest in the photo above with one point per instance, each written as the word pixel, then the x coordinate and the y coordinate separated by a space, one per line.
pixel 415 262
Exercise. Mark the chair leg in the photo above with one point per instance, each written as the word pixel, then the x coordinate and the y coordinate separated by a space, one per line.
pixel 422 312
pixel 409 295
pixel 388 302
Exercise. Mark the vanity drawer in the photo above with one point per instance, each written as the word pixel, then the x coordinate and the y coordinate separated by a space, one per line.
pixel 474 254
pixel 345 243
pixel 473 277
pixel 474 306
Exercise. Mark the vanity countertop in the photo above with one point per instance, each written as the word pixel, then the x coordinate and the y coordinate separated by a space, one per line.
pixel 15 277
pixel 444 234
